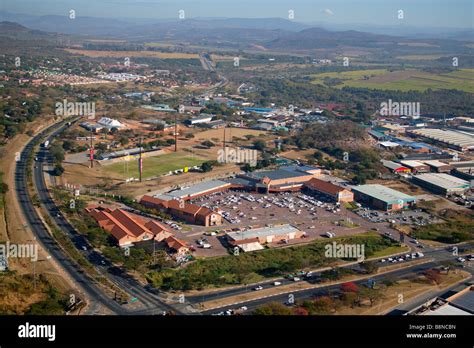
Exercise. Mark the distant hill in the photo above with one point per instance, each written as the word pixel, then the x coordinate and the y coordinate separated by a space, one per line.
pixel 314 38
pixel 17 31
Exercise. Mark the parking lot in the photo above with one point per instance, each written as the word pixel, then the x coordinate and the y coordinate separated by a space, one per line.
pixel 243 210
pixel 415 217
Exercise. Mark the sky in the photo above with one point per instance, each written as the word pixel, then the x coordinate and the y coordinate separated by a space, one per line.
pixel 421 13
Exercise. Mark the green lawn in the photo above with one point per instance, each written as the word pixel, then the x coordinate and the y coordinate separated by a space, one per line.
pixel 154 166
pixel 390 251
pixel 462 79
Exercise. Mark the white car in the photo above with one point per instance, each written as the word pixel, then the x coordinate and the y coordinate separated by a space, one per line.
pixel 276 283
pixel 383 260
pixel 258 288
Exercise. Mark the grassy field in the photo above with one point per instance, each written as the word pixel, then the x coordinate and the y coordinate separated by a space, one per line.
pixel 406 80
pixel 420 57
pixel 155 166
pixel 254 266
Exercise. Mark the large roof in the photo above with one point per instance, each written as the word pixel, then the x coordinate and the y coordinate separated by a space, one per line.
pixel 262 232
pixel 452 137
pixel 465 300
pixel 446 309
pixel 285 172
pixel 194 190
pixel 392 165
pixel 383 193
pixel 324 186
pixel 445 181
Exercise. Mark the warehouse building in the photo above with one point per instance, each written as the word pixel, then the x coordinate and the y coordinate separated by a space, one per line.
pixel 334 192
pixel 254 239
pixel 441 183
pixel 201 119
pixel 395 167
pixel 450 138
pixel 383 198
pixel 438 166
pixel 416 166
pixel 463 170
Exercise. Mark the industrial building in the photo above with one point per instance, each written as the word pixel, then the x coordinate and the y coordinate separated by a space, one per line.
pixel 441 183
pixel 110 123
pixel 254 239
pixel 459 303
pixel 395 167
pixel 383 198
pixel 334 192
pixel 463 169
pixel 438 166
pixel 416 166
pixel 450 138
pixel 201 119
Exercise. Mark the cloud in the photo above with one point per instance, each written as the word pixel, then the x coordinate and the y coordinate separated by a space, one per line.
pixel 328 12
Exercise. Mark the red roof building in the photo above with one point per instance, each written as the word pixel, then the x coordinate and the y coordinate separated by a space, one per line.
pixel 128 228
pixel 191 213
pixel 335 192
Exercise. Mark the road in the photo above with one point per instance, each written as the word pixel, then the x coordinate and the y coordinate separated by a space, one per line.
pixel 437 256
pixel 44 238
pixel 148 298
pixel 209 66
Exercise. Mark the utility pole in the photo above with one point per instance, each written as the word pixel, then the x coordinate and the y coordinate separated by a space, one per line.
pixel 140 159
pixel 176 132
pixel 224 138
pixel 91 151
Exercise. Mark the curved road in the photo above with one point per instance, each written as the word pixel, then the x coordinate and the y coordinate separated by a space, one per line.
pixel 147 297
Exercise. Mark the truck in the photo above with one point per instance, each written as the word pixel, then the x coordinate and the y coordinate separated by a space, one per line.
pixel 330 234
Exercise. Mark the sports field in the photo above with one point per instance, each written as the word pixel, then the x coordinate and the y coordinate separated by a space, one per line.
pixel 403 80
pixel 154 166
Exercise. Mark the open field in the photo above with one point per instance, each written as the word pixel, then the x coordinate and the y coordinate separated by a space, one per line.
pixel 122 54
pixel 420 57
pixel 154 166
pixel 406 80
pixel 229 133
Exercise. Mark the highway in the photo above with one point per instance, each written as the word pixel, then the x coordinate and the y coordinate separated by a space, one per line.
pixel 436 257
pixel 148 298
pixel 45 239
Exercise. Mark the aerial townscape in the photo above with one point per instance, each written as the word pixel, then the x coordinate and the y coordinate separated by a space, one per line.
pixel 185 160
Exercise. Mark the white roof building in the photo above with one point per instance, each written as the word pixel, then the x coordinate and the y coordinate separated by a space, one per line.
pixel 110 123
